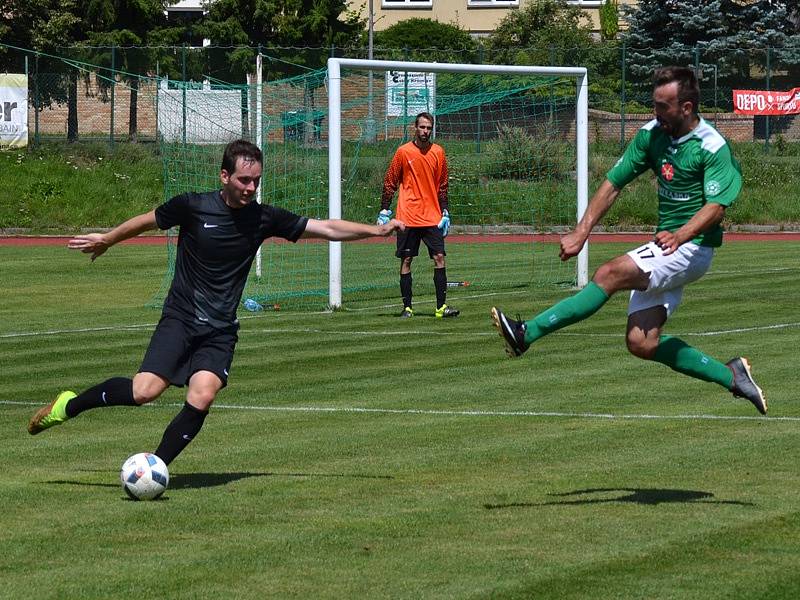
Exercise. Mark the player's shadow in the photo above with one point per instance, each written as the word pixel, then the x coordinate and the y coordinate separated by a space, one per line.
pixel 203 480
pixel 186 481
pixel 646 496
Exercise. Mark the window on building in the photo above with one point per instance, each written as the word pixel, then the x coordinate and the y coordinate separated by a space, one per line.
pixel 491 3
pixel 586 3
pixel 406 3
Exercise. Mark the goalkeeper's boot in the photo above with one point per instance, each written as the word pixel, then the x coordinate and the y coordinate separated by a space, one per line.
pixel 407 313
pixel 53 414
pixel 513 332
pixel 744 386
pixel 446 311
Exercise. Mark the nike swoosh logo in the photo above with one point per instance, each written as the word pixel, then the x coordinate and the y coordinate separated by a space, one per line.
pixel 104 398
pixel 186 437
pixel 208 226
pixel 225 371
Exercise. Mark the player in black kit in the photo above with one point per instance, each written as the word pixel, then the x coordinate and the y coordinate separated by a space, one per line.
pixel 193 344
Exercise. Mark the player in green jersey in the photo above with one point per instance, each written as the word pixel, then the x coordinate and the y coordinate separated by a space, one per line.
pixel 698 178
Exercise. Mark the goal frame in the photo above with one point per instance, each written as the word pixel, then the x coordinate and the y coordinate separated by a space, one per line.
pixel 335 66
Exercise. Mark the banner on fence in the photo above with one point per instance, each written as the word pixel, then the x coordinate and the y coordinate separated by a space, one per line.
pixel 410 95
pixel 758 102
pixel 13 111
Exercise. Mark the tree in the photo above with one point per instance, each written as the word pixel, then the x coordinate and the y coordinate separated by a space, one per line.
pixel 609 20
pixel 427 40
pixel 116 27
pixel 544 32
pixel 47 26
pixel 726 36
pixel 280 23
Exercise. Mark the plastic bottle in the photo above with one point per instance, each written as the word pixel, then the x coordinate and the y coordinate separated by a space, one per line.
pixel 252 305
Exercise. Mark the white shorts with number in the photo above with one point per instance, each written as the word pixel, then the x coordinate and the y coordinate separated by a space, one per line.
pixel 668 274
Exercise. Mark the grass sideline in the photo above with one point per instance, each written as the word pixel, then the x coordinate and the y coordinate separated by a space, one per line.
pixel 575 472
pixel 62 188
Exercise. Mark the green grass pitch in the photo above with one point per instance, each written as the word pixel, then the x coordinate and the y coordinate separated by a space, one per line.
pixel 357 455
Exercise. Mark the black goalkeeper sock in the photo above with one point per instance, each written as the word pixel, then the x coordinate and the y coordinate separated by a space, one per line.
pixel 117 391
pixel 405 289
pixel 440 283
pixel 182 430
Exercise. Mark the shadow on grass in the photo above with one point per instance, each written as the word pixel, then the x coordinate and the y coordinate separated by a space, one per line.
pixel 647 496
pixel 204 480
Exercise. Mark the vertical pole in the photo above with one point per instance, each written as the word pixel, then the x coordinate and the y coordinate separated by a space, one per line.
pixel 716 102
pixel 479 132
pixel 551 60
pixel 183 92
pixel 622 101
pixel 405 97
pixel 334 179
pixel 36 103
pixel 27 83
pixel 766 119
pixel 582 170
pixel 259 136
pixel 158 95
pixel 113 90
pixel 369 126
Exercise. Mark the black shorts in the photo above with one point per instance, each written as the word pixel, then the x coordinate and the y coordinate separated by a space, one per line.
pixel 408 241
pixel 178 350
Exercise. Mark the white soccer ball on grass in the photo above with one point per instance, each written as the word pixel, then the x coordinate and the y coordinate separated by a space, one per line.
pixel 144 476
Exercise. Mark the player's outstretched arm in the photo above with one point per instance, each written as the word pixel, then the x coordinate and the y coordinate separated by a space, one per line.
pixel 711 214
pixel 338 230
pixel 602 200
pixel 97 243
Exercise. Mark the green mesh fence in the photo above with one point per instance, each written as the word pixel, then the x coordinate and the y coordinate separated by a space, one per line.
pixel 510 143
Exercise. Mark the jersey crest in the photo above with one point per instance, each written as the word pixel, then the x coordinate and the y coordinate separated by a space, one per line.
pixel 667 171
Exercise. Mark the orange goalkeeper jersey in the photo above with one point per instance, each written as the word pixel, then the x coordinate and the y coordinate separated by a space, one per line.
pixel 422 178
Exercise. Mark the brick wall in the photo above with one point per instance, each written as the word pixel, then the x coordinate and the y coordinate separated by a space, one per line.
pixel 606 125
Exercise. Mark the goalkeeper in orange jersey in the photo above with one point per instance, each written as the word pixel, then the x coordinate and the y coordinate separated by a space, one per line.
pixel 419 169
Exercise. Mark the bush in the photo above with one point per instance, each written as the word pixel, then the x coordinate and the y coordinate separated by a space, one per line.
pixel 518 154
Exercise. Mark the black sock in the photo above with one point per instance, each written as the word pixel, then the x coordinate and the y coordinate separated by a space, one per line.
pixel 117 391
pixel 405 289
pixel 440 283
pixel 182 430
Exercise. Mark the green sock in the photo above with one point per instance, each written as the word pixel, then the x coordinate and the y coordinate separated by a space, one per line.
pixel 681 357
pixel 570 310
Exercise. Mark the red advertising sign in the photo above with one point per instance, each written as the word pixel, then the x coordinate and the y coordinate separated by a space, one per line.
pixel 756 102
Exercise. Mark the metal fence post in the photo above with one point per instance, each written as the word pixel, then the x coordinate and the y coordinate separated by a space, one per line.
pixel 113 89
pixel 36 103
pixel 183 91
pixel 478 132
pixel 766 118
pixel 622 101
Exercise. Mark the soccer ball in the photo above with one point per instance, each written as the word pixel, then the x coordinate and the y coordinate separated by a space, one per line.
pixel 144 476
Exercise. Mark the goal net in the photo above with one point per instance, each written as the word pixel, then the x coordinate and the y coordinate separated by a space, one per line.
pixel 516 144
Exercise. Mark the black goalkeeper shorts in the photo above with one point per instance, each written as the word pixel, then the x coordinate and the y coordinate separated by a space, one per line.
pixel 408 241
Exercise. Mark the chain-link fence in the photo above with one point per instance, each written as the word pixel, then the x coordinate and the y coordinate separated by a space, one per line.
pixel 110 93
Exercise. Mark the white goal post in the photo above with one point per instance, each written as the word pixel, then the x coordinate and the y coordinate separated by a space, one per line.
pixel 335 66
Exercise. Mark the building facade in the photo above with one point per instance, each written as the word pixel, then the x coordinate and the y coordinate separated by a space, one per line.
pixel 478 17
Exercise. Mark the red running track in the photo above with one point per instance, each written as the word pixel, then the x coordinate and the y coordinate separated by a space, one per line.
pixel 596 238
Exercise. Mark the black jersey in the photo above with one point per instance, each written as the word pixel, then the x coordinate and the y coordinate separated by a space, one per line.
pixel 216 247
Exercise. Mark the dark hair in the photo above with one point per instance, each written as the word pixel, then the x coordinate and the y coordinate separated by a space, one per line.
pixel 423 115
pixel 240 149
pixel 688 87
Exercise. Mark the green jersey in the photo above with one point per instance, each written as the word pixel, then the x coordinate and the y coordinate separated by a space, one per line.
pixel 692 171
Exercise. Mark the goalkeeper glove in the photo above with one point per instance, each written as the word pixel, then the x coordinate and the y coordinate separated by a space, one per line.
pixel 384 216
pixel 444 224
